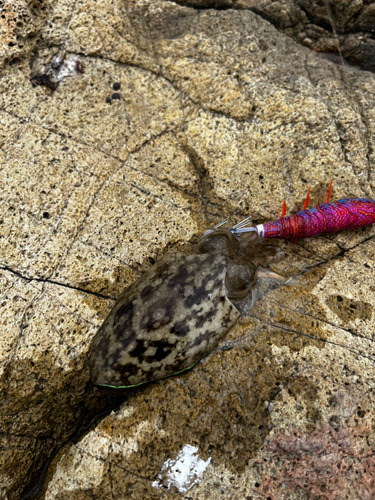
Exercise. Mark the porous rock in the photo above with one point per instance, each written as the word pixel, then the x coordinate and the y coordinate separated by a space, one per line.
pixel 219 115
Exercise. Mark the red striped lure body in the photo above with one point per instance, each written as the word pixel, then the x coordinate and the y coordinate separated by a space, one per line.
pixel 341 215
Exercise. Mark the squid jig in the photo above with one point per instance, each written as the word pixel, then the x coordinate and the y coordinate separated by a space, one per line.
pixel 180 309
pixel 329 217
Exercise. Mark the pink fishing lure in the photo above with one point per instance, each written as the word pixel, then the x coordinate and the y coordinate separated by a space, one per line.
pixel 330 217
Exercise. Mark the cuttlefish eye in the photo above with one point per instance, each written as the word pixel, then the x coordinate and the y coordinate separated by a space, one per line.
pixel 239 279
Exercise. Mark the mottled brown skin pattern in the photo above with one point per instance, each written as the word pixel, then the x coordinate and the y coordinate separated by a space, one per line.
pixel 174 315
pixel 177 314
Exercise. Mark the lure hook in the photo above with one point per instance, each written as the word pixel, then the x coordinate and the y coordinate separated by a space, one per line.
pixel 221 223
pixel 239 228
pixel 242 223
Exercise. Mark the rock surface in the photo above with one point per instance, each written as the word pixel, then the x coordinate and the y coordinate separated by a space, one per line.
pixel 218 115
pixel 341 31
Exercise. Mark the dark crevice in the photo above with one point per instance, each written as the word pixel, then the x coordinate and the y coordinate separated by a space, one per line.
pixel 337 256
pixel 74 439
pixel 54 282
pixel 321 23
pixel 35 490
pixel 213 5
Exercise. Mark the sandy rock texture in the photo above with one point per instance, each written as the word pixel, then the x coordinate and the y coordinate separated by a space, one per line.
pixel 218 114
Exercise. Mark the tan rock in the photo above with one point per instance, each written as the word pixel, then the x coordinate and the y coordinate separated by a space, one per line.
pixel 218 115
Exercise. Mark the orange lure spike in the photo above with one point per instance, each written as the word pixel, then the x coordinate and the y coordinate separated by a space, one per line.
pixel 307 200
pixel 283 212
pixel 329 192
